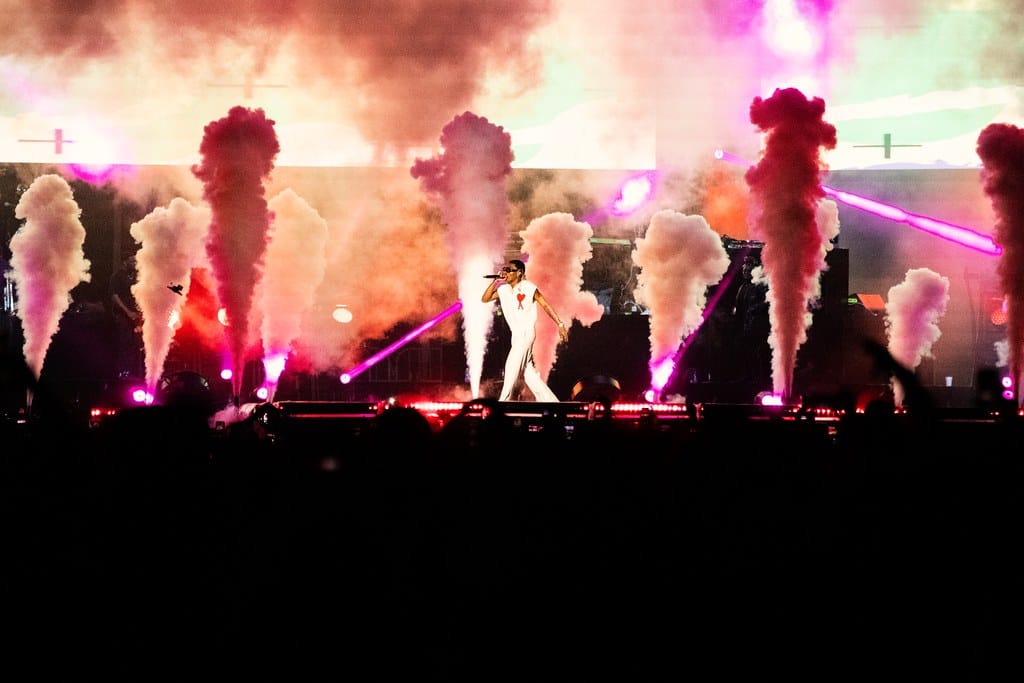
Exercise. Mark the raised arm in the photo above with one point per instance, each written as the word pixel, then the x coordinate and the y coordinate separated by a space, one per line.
pixel 491 293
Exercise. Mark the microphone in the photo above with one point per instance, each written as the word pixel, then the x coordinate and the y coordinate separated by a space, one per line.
pixel 491 277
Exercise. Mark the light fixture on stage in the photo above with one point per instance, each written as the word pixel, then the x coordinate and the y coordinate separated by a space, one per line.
pixel 596 388
pixel 139 395
pixel 994 391
pixel 872 302
pixel 634 192
pixel 185 389
pixel 997 311
pixel 341 314
pixel 947 231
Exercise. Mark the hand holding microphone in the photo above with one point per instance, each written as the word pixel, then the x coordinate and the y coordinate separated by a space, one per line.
pixel 504 271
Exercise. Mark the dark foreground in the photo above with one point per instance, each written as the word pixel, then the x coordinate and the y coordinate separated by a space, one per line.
pixel 154 548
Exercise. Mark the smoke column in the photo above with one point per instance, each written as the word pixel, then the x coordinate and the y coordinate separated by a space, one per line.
pixel 679 257
pixel 47 262
pixel 826 218
pixel 557 246
pixel 238 154
pixel 295 266
pixel 912 314
pixel 467 180
pixel 172 241
pixel 785 191
pixel 1001 148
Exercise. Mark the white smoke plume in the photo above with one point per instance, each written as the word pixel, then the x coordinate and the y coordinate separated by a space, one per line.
pixel 47 262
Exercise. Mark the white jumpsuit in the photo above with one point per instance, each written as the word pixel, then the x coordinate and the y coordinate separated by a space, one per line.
pixel 520 312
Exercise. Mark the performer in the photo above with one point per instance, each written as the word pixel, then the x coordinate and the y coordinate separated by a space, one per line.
pixel 519 300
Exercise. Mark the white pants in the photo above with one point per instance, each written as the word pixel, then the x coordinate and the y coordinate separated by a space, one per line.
pixel 519 363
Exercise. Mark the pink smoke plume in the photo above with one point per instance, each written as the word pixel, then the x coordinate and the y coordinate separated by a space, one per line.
pixel 361 62
pixel 679 257
pixel 912 314
pixel 467 180
pixel 47 262
pixel 785 190
pixel 1001 148
pixel 238 156
pixel 557 246
pixel 295 265
pixel 172 240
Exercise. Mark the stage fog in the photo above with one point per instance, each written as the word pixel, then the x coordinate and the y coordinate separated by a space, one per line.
pixel 381 267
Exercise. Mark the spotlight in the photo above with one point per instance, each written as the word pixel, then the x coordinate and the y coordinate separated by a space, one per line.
pixel 342 314
pixel 997 311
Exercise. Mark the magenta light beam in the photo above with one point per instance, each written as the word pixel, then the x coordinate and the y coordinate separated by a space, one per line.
pixel 347 377
pixel 664 372
pixel 947 231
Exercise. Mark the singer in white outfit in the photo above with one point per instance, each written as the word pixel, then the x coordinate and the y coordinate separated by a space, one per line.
pixel 519 299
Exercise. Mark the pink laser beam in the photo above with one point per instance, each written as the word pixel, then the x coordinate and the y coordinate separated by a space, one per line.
pixel 347 377
pixel 947 231
pixel 667 368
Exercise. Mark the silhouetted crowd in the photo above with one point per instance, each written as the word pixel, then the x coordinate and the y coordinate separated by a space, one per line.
pixel 152 547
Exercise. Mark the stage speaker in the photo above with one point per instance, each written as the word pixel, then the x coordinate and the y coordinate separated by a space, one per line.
pixel 596 388
pixel 185 389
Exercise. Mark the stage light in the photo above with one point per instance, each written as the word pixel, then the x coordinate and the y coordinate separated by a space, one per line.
pixel 634 192
pixel 997 311
pixel 596 388
pixel 139 395
pixel 786 31
pixel 873 302
pixel 341 314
